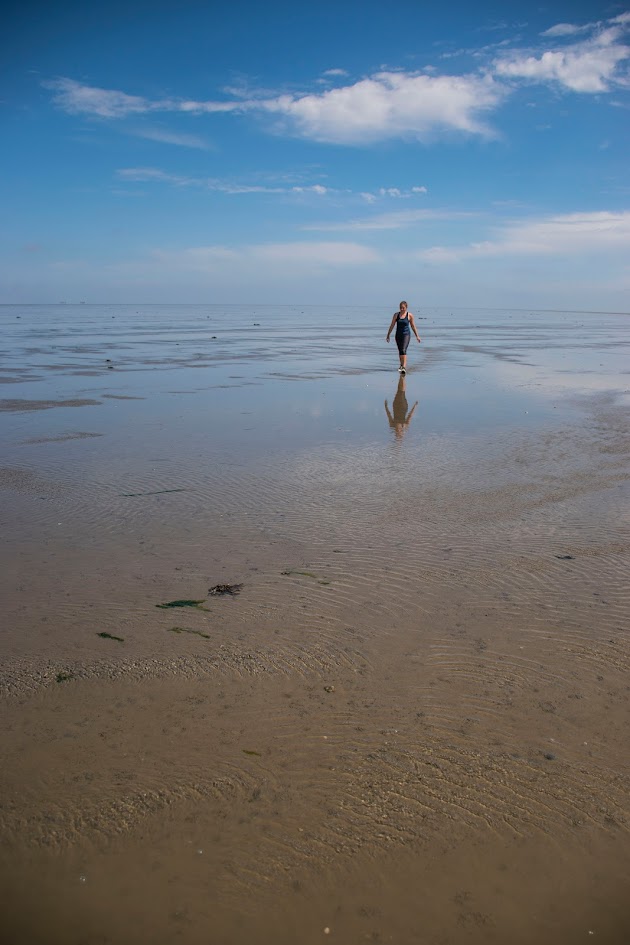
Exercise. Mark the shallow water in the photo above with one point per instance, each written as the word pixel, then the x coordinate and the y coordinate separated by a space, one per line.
pixel 423 681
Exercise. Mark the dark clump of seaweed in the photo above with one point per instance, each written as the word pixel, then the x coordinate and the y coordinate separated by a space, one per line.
pixel 110 636
pixel 64 677
pixel 182 603
pixel 197 633
pixel 220 589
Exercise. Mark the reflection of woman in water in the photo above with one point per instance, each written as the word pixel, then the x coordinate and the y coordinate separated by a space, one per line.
pixel 400 420
pixel 403 320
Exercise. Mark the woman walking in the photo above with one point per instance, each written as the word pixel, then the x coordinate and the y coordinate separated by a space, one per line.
pixel 403 320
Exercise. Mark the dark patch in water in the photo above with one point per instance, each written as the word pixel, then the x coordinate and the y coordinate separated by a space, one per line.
pixel 22 405
pixel 182 603
pixel 110 636
pixel 121 397
pixel 61 438
pixel 132 495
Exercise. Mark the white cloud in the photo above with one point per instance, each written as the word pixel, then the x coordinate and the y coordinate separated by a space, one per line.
pixel 562 235
pixel 385 105
pixel 394 192
pixel 300 255
pixel 153 173
pixel 149 174
pixel 313 189
pixel 171 137
pixel 388 221
pixel 586 66
pixel 390 105
pixel 75 98
pixel 566 29
pixel 205 108
pixel 78 99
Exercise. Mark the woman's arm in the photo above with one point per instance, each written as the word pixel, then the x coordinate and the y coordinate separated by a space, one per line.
pixel 394 317
pixel 413 326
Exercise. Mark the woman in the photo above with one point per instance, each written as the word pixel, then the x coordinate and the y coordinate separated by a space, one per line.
pixel 403 320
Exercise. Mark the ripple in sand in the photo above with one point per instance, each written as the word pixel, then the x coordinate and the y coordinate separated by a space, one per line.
pixel 328 654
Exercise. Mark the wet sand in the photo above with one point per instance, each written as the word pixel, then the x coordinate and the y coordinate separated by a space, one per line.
pixel 411 723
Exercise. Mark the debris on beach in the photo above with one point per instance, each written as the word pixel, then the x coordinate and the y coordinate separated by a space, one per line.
pixel 249 751
pixel 291 572
pixel 329 688
pixel 64 677
pixel 110 636
pixel 133 495
pixel 182 603
pixel 220 589
pixel 565 557
pixel 197 633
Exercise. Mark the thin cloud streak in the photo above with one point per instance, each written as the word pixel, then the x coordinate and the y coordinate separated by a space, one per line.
pixel 77 99
pixel 172 137
pixel 152 174
pixel 305 256
pixel 388 221
pixel 600 232
pixel 566 29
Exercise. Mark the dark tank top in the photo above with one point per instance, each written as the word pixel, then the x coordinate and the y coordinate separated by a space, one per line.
pixel 402 324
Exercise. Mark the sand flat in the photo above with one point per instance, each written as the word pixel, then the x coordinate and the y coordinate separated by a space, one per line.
pixel 415 709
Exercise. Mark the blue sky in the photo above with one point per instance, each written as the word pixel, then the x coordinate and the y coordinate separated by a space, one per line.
pixel 334 153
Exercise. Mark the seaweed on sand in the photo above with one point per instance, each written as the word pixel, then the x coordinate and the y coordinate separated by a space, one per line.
pixel 220 589
pixel 289 572
pixel 182 603
pixel 197 633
